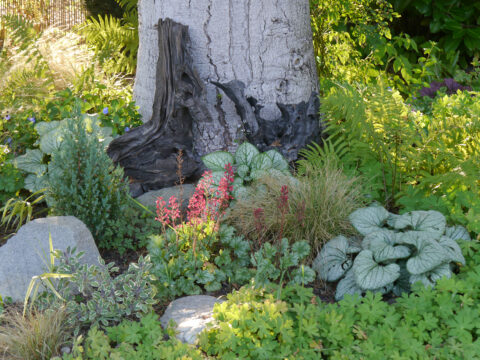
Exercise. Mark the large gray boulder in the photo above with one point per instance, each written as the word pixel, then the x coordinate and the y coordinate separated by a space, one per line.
pixel 27 253
pixel 191 314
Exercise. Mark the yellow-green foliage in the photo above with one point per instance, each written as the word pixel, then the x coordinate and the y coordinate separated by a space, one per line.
pixel 319 205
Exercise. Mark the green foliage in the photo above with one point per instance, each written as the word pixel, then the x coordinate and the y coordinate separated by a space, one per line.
pixel 83 182
pixel 115 40
pixel 282 263
pixel 249 163
pixel 17 211
pixel 254 324
pixel 396 251
pixel 133 340
pixel 196 256
pixel 94 296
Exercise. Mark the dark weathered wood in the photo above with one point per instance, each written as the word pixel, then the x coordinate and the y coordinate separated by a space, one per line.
pixel 298 125
pixel 148 153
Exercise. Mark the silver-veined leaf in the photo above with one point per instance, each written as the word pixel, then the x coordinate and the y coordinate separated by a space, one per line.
pixel 217 160
pixel 430 221
pixel 452 249
pixel 457 233
pixel 384 247
pixel 369 275
pixel 429 253
pixel 429 278
pixel 245 154
pixel 278 161
pixel 368 220
pixel 347 285
pixel 261 162
pixel 332 262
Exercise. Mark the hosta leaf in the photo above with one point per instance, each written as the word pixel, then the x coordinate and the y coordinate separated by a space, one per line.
pixel 347 285
pixel 429 254
pixel 278 160
pixel 369 275
pixel 431 221
pixel 368 220
pixel 31 162
pixel 457 232
pixel 429 278
pixel 384 247
pixel 243 171
pixel 332 261
pixel 452 250
pixel 245 154
pixel 303 275
pixel 217 160
pixel 261 162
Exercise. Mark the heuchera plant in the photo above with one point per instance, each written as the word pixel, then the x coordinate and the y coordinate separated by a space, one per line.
pixel 396 251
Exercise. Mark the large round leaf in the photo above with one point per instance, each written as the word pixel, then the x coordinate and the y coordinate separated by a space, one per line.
pixel 429 253
pixel 457 233
pixel 34 183
pixel 261 162
pixel 332 261
pixel 31 162
pixel 346 286
pixel 368 220
pixel 429 278
pixel 243 171
pixel 217 160
pixel 52 140
pixel 245 154
pixel 452 250
pixel 369 275
pixel 278 161
pixel 431 221
pixel 44 127
pixel 384 247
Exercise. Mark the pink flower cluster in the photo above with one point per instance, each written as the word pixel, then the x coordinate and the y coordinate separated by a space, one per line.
pixel 205 204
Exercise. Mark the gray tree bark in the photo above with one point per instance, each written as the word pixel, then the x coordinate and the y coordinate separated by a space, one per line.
pixel 266 44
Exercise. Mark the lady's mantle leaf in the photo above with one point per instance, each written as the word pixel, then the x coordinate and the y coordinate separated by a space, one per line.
pixel 332 261
pixel 369 275
pixel 368 220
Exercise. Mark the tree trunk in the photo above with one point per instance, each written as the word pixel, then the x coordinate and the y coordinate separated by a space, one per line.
pixel 266 45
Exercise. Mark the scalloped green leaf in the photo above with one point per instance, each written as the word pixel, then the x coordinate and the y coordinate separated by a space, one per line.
pixel 279 162
pixel 457 233
pixel 347 285
pixel 243 171
pixel 303 275
pixel 369 275
pixel 429 221
pixel 429 278
pixel 217 160
pixel 44 127
pixel 332 262
pixel 429 253
pixel 245 154
pixel 301 248
pixel 261 162
pixel 34 183
pixel 31 162
pixel 368 220
pixel 52 140
pixel 384 247
pixel 452 249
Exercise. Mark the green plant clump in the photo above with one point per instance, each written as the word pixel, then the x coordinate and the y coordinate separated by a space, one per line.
pixel 83 182
pixel 396 251
pixel 249 164
pixel 133 340
pixel 92 295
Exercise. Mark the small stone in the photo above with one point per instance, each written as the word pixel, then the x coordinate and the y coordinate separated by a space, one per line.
pixel 27 253
pixel 149 198
pixel 191 314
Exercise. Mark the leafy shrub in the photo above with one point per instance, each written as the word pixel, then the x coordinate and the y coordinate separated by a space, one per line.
pixel 197 256
pixel 318 207
pixel 83 182
pixel 396 251
pixel 249 165
pixel 38 335
pixel 93 296
pixel 133 340
pixel 254 324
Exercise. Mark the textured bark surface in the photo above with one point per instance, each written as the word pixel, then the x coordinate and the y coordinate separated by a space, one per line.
pixel 148 153
pixel 267 45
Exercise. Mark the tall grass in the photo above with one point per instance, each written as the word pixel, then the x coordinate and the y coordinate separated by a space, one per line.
pixel 319 205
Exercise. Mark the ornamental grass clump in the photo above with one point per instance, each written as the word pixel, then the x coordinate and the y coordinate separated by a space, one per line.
pixel 318 207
